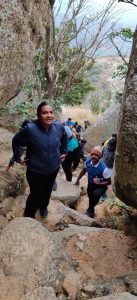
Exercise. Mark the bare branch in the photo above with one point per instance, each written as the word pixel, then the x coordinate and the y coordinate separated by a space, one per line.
pixel 128 1
pixel 118 50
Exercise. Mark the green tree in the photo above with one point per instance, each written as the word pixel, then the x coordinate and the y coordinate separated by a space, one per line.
pixel 73 94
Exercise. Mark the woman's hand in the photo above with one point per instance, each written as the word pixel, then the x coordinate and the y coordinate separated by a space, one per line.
pixel 62 157
pixel 23 162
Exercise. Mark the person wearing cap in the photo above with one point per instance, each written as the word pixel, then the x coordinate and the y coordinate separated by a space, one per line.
pixel 99 178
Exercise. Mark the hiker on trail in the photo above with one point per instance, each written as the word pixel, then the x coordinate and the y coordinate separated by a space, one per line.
pixel 72 159
pixel 108 154
pixel 98 179
pixel 113 136
pixel 86 124
pixel 78 137
pixel 22 149
pixel 69 123
pixel 82 142
pixel 78 128
pixel 82 153
pixel 46 143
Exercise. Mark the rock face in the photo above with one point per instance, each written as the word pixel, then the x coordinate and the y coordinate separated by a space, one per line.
pixel 102 129
pixel 125 177
pixel 23 24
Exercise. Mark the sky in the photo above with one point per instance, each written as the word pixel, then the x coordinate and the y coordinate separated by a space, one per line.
pixel 129 14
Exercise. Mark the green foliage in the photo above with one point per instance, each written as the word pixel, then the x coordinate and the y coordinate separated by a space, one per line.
pixel 79 87
pixel 22 175
pixel 100 101
pixel 29 86
pixel 1 111
pixel 24 110
pixel 125 33
pixel 112 201
pixel 118 97
pixel 67 29
pixel 76 93
pixel 95 107
pixel 56 104
pixel 121 71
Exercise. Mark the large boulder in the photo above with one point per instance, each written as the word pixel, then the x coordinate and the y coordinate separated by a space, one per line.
pixel 38 264
pixel 125 176
pixel 11 184
pixel 117 296
pixel 5 146
pixel 102 129
pixel 23 24
pixel 66 192
pixel 29 259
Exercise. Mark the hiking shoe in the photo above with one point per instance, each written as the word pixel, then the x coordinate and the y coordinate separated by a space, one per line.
pixel 89 214
pixel 54 188
pixel 103 198
pixel 44 213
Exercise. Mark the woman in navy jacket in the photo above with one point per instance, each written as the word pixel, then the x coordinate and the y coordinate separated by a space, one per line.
pixel 46 143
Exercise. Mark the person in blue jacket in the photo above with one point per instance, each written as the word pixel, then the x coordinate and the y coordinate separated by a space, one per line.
pixel 46 143
pixel 99 178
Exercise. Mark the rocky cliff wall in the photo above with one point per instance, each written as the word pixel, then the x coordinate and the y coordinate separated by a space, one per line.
pixel 102 129
pixel 23 24
pixel 125 177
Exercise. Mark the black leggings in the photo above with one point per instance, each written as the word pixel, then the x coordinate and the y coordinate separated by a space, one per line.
pixel 40 191
pixel 94 194
pixel 71 161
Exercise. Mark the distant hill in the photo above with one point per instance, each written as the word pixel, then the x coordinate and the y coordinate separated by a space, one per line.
pixel 100 75
pixel 102 72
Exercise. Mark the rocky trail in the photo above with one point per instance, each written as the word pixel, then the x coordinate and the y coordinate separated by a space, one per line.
pixel 67 256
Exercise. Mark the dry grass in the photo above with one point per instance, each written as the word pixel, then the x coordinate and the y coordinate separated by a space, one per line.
pixel 79 114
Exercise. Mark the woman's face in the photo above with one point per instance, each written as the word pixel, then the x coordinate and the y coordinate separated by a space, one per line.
pixel 46 116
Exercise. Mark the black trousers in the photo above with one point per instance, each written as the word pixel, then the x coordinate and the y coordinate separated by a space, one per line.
pixel 71 161
pixel 40 191
pixel 94 194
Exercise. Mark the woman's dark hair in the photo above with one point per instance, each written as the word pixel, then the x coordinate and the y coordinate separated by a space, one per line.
pixel 40 106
